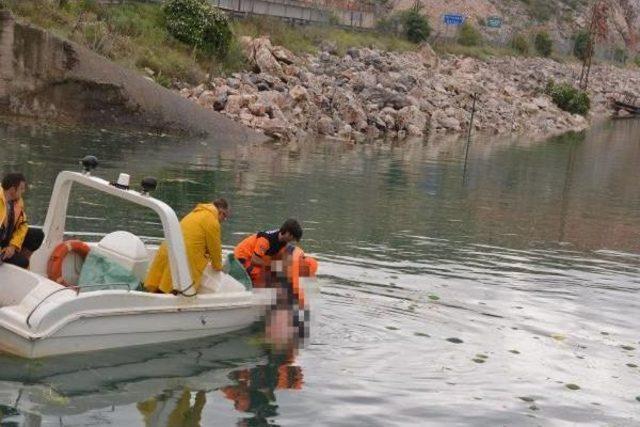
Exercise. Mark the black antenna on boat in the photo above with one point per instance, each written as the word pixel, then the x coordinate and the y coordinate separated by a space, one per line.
pixel 89 163
pixel 149 184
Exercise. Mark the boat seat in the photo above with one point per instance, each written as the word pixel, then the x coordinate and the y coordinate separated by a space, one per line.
pixel 118 261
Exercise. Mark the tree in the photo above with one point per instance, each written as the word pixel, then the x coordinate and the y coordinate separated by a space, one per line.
pixel 416 25
pixel 198 24
pixel 581 45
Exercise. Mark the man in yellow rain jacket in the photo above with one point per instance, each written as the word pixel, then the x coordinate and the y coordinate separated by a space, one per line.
pixel 203 243
pixel 17 240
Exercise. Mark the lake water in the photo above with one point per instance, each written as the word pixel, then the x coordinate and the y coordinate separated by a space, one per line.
pixel 503 293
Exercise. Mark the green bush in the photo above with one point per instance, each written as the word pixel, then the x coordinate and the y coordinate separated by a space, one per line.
pixel 568 98
pixel 520 44
pixel 416 25
pixel 198 24
pixel 581 45
pixel 543 44
pixel 468 35
pixel 637 61
pixel 620 55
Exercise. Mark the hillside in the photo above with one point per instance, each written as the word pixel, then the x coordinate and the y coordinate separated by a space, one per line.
pixel 561 18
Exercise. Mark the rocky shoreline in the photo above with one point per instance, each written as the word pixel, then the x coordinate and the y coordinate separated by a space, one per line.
pixel 368 94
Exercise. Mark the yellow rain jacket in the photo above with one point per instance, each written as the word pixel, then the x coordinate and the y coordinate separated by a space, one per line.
pixel 154 410
pixel 201 232
pixel 21 227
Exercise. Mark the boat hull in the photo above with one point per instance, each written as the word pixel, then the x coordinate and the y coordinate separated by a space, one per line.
pixel 40 318
pixel 109 332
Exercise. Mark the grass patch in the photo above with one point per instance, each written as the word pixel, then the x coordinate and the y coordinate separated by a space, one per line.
pixel 307 39
pixel 483 53
pixel 135 35
pixel 132 34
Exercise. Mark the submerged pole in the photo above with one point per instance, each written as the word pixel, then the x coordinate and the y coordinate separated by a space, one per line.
pixel 466 154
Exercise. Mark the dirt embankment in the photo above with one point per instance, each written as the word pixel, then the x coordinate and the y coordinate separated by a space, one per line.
pixel 45 77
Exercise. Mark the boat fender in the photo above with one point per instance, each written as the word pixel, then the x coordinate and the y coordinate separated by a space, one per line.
pixel 54 267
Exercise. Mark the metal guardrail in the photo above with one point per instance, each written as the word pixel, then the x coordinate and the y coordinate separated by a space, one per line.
pixel 292 10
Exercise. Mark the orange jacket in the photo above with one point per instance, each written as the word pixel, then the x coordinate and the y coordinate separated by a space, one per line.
pixel 250 246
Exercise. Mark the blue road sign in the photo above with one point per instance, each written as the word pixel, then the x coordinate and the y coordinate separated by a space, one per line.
pixel 453 19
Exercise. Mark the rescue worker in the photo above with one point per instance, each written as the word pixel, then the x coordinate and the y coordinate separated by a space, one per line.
pixel 254 391
pixel 203 244
pixel 255 252
pixel 17 240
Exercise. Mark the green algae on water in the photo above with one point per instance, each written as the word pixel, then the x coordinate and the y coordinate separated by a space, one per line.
pixel 421 334
pixel 434 297
pixel 572 386
pixel 514 351
pixel 455 340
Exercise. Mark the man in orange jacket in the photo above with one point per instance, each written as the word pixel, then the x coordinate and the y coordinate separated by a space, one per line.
pixel 17 240
pixel 256 251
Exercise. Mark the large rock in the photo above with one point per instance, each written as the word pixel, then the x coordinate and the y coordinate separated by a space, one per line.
pixel 412 119
pixel 326 126
pixel 283 55
pixel 258 52
pixel 428 56
pixel 298 93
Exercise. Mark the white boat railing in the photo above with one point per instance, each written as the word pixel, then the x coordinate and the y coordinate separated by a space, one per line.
pixel 57 291
pixel 54 225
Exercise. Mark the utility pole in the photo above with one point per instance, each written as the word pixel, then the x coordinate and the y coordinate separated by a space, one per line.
pixel 598 30
pixel 474 96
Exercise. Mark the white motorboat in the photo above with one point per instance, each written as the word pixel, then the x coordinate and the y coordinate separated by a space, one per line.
pixel 40 317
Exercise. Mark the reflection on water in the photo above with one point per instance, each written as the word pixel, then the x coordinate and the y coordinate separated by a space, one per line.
pixel 506 298
pixel 254 391
pixel 169 385
pixel 251 391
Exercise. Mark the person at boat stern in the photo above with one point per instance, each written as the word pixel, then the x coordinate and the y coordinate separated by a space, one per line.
pixel 256 251
pixel 17 240
pixel 203 244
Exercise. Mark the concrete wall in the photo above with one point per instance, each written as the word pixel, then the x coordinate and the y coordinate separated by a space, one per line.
pixel 45 77
pixel 297 11
pixel 293 10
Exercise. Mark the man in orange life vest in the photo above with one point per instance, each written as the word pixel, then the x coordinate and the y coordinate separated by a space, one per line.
pixel 17 240
pixel 256 251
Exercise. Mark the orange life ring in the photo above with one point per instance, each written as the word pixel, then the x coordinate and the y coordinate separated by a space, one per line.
pixel 54 267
